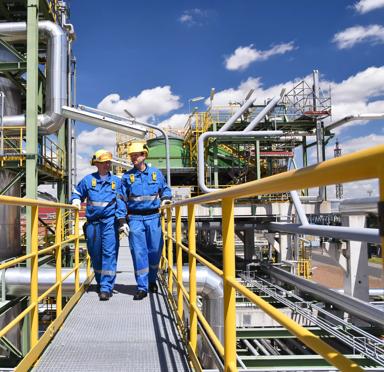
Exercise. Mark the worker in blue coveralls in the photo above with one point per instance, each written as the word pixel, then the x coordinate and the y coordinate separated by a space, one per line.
pixel 106 217
pixel 145 190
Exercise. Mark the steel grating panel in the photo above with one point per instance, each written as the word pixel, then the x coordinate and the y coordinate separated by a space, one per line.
pixel 119 334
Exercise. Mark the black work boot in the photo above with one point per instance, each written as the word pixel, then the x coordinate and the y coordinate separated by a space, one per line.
pixel 139 295
pixel 104 296
pixel 153 287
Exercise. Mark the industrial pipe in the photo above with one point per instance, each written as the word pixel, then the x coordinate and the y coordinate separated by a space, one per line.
pixel 353 118
pixel 56 93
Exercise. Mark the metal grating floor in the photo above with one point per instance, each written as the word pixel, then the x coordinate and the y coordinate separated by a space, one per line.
pixel 119 334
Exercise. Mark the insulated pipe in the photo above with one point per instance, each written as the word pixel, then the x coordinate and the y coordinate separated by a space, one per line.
pixel 18 279
pixel 353 118
pixel 339 232
pixel 351 305
pixel 200 153
pixel 56 92
pixel 274 101
pixel 237 114
pixel 133 121
pixel 299 208
pixel 209 286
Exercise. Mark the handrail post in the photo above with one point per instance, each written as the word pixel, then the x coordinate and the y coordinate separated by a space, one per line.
pixel 170 250
pixel 34 276
pixel 192 277
pixel 58 240
pixel 179 263
pixel 77 243
pixel 228 232
pixel 163 250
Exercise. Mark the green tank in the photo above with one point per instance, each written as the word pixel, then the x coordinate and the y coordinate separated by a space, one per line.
pixel 179 154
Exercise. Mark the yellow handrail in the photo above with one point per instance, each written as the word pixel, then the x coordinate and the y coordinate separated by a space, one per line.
pixel 366 164
pixel 37 344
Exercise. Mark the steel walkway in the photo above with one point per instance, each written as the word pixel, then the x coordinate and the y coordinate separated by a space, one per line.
pixel 119 334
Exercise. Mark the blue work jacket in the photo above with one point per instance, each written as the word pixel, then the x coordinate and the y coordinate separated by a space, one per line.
pixel 145 190
pixel 104 197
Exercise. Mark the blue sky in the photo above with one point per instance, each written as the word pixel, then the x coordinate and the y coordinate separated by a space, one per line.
pixel 151 57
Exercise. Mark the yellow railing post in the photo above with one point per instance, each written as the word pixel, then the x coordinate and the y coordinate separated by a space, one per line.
pixel 77 243
pixel 34 276
pixel 381 210
pixel 179 263
pixel 58 239
pixel 192 276
pixel 229 272
pixel 170 250
pixel 163 251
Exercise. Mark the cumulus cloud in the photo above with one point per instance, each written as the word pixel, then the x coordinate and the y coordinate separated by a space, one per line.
pixel 244 56
pixel 365 6
pixel 148 104
pixel 194 17
pixel 176 121
pixel 373 34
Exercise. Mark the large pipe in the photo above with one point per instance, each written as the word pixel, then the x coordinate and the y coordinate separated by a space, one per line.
pixel 346 119
pixel 274 101
pixel 17 281
pixel 56 93
pixel 351 305
pixel 237 114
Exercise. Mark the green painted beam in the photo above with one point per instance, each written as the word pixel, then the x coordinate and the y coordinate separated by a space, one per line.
pixel 13 66
pixel 272 332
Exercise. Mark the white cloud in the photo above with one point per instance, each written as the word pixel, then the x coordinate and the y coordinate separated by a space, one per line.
pixel 176 121
pixel 148 104
pixel 244 56
pixel 194 17
pixel 351 36
pixel 365 6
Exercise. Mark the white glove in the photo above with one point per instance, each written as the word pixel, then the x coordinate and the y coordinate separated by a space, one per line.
pixel 165 202
pixel 76 203
pixel 124 229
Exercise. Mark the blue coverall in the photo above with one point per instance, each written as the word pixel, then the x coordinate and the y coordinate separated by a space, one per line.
pixel 144 192
pixel 105 206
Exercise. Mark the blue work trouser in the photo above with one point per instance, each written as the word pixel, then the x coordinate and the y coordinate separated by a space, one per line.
pixel 103 247
pixel 146 243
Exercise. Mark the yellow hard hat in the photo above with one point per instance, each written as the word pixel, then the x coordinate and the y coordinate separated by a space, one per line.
pixel 137 146
pixel 101 156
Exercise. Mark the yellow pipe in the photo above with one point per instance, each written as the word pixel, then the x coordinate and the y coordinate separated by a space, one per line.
pixel 308 338
pixel 34 336
pixel 77 244
pixel 229 272
pixel 59 220
pixel 13 200
pixel 179 263
pixel 170 250
pixel 192 277
pixel 381 212
pixel 15 261
pixel 163 250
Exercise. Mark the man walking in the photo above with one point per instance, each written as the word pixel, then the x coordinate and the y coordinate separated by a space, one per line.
pixel 105 213
pixel 144 189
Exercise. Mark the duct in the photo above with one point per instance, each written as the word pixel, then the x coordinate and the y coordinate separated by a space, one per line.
pixel 56 92
pixel 200 156
pixel 337 232
pixel 134 122
pixel 275 100
pixel 353 306
pixel 18 279
pixel 237 114
pixel 353 118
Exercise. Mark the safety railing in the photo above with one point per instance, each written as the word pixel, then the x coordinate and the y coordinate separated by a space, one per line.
pixel 36 343
pixel 362 165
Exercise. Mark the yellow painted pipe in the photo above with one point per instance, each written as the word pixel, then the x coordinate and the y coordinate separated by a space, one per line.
pixel 179 263
pixel 59 220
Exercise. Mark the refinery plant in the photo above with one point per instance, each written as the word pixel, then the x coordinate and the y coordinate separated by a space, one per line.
pixel 266 265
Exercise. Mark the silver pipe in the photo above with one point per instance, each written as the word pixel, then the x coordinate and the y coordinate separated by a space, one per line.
pixel 359 234
pixel 133 121
pixel 353 118
pixel 56 93
pixel 275 100
pixel 237 114
pixel 17 281
pixel 200 152
pixel 349 304
pixel 299 208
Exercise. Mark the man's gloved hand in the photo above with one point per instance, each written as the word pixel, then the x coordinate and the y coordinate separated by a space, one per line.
pixel 124 228
pixel 76 203
pixel 165 202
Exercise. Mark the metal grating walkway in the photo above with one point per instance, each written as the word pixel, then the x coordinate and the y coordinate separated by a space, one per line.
pixel 119 334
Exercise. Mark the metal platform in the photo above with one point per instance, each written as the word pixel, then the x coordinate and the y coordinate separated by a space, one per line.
pixel 119 334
